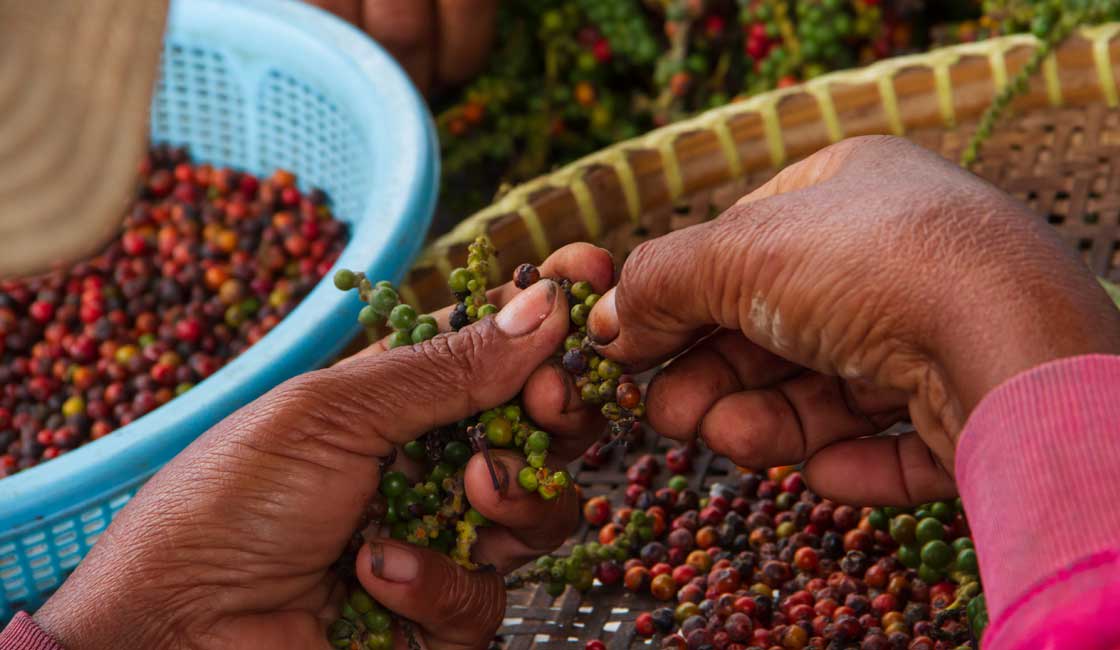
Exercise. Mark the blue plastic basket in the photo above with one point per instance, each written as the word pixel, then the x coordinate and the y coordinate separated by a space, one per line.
pixel 255 85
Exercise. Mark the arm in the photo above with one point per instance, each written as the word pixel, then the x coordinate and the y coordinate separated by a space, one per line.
pixel 1044 518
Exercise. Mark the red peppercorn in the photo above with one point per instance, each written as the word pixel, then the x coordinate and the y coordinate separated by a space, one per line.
pixel 684 573
pixel 609 573
pixel 806 559
pixel 595 644
pixel 644 626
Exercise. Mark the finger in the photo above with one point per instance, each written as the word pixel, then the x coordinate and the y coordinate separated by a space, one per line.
pixel 451 605
pixel 530 524
pixel 466 31
pixel 684 391
pixel 367 403
pixel 348 10
pixel 711 273
pixel 407 29
pixel 554 403
pixel 789 422
pixel 892 470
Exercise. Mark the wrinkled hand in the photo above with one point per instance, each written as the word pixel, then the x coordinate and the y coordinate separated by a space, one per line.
pixel 872 283
pixel 438 42
pixel 230 545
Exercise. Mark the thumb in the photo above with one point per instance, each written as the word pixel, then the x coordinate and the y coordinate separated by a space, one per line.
pixel 673 289
pixel 367 401
pixel 454 607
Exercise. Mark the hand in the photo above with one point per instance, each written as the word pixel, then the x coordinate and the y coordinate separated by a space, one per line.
pixel 871 283
pixel 437 42
pixel 231 544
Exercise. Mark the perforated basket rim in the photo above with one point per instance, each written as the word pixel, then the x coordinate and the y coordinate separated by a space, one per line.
pixel 384 239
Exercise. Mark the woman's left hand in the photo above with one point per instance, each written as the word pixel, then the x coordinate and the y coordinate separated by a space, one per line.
pixel 231 544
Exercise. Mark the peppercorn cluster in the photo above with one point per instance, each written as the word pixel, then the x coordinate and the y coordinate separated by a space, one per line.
pixel 569 77
pixel 207 261
pixel 432 509
pixel 762 562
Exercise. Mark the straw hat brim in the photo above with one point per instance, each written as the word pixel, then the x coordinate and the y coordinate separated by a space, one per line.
pixel 76 78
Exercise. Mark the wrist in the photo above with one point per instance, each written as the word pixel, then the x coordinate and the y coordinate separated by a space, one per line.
pixel 1025 324
pixel 90 612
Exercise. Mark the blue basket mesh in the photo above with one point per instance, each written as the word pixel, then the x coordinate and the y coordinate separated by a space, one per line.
pixel 254 85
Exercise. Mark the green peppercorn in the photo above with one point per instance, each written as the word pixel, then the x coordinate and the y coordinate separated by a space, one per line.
pixel 408 503
pixel 536 459
pixel 380 641
pixel 929 529
pixel 422 332
pixel 579 314
pixel 378 620
pixel 457 453
pixel 393 484
pixel 937 554
pixel 458 280
pixel 678 483
pixel 903 529
pixel 592 300
pixel 966 561
pixel 429 319
pixel 475 518
pixel 878 519
pixel 345 279
pixel 340 632
pixel 414 449
pixel 573 342
pixel 538 442
pixel 499 433
pixel 441 472
pixel 611 410
pixel 511 412
pixel 383 300
pixel 403 318
pixel 581 290
pixel 910 555
pixel 942 511
pixel 527 479
pixel 487 310
pixel 961 543
pixel 929 574
pixel 607 389
pixel 608 369
pixel 399 339
pixel 360 601
pixel 383 284
pixel 431 503
pixel 590 393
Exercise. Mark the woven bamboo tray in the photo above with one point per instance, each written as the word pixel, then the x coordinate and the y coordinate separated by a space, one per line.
pixel 1059 151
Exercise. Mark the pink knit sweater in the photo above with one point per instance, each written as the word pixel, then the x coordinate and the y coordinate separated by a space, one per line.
pixel 1038 467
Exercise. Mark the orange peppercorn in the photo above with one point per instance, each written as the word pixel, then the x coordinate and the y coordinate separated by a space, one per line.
pixel 585 93
pixel 214 277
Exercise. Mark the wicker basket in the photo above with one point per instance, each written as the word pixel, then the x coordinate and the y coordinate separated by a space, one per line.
pixel 1059 152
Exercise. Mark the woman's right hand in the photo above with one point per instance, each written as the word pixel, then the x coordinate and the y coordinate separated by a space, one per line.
pixel 873 282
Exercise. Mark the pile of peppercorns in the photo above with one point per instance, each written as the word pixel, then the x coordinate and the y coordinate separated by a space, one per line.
pixel 569 77
pixel 431 509
pixel 763 563
pixel 208 260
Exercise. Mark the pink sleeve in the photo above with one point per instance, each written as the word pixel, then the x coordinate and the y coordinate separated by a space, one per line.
pixel 1038 466
pixel 23 634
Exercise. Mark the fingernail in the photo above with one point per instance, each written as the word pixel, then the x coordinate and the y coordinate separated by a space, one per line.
pixel 393 563
pixel 565 378
pixel 602 324
pixel 528 310
pixel 503 475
